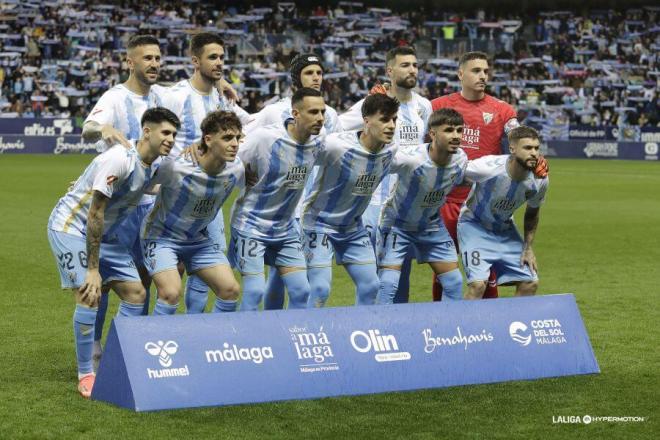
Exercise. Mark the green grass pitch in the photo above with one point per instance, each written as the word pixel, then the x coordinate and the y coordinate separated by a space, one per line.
pixel 599 237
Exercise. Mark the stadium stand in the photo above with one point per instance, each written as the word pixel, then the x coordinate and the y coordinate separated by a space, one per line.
pixel 593 69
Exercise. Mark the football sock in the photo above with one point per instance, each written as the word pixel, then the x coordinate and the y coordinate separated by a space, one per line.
pixel 389 280
pixel 100 316
pixel 197 294
pixel 224 305
pixel 403 290
pixel 491 287
pixel 83 331
pixel 452 284
pixel 319 286
pixel 365 277
pixel 274 299
pixel 128 309
pixel 162 308
pixel 298 287
pixel 253 291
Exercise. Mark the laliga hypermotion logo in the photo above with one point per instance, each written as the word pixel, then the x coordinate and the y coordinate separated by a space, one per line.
pixel 164 351
pixel 517 331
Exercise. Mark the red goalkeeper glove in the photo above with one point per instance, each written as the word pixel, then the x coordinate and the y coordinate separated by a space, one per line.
pixel 542 168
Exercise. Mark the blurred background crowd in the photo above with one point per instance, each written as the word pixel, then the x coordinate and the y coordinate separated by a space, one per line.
pixel 593 67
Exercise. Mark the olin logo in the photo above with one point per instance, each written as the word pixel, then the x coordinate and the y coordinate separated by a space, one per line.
pixel 164 351
pixel 517 332
pixel 386 347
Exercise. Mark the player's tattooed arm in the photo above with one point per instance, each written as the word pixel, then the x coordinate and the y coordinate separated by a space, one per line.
pixel 91 289
pixel 530 222
pixel 94 132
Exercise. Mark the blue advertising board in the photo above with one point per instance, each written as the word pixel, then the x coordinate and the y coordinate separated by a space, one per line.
pixel 181 361
pixel 602 150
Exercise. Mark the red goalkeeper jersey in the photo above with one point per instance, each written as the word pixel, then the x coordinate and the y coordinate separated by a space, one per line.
pixel 485 122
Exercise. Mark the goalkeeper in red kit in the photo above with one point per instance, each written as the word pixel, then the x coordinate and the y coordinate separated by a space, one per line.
pixel 486 120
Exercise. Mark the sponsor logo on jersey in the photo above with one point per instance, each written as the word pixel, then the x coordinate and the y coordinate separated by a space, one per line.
pixel 295 177
pixel 203 208
pixel 365 185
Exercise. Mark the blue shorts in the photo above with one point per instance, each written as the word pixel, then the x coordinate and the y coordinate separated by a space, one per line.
pixel 163 254
pixel 428 246
pixel 216 231
pixel 248 254
pixel 129 231
pixel 350 248
pixel 70 251
pixel 481 249
pixel 370 220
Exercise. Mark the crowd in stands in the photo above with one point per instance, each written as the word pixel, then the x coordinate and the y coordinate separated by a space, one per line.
pixel 599 67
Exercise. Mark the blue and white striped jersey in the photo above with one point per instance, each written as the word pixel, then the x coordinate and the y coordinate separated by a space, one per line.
pixel 191 107
pixel 189 199
pixel 495 196
pixel 411 126
pixel 347 177
pixel 421 189
pixel 267 209
pixel 120 175
pixel 123 109
pixel 280 111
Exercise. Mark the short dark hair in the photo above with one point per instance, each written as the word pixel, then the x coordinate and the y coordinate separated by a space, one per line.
pixel 447 116
pixel 302 93
pixel 141 40
pixel 522 132
pixel 157 115
pixel 380 102
pixel 399 50
pixel 469 56
pixel 219 120
pixel 198 41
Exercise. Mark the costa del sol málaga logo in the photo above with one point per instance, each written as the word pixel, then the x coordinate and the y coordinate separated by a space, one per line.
pixel 164 351
pixel 517 331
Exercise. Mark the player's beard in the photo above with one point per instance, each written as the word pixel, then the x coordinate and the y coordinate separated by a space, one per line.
pixel 523 163
pixel 144 79
pixel 210 78
pixel 409 82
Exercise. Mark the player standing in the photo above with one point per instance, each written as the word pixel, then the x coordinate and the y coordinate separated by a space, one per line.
pixel 83 227
pixel 426 173
pixel 486 232
pixel 192 99
pixel 263 227
pixel 486 120
pixel 116 119
pixel 351 167
pixel 414 112
pixel 306 70
pixel 191 194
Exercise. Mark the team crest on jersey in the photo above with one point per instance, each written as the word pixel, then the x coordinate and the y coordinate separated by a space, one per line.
pixel 487 117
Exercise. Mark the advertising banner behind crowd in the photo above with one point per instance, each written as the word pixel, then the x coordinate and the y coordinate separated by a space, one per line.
pixel 161 362
pixel 602 150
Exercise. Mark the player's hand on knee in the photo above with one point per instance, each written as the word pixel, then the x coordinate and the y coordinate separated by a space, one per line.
pixel 90 291
pixel 542 167
pixel 528 258
pixel 112 136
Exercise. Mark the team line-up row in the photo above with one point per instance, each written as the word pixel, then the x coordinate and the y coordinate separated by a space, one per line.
pixel 363 188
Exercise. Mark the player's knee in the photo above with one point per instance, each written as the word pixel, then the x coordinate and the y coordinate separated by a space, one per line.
pixel 231 291
pixel 452 284
pixel 527 287
pixel 369 287
pixel 168 295
pixel 319 289
pixel 476 290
